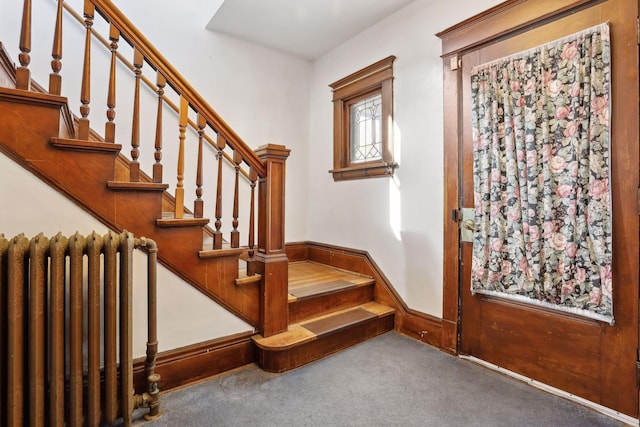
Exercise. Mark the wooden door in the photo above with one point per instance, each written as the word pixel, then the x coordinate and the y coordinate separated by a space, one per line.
pixel 588 358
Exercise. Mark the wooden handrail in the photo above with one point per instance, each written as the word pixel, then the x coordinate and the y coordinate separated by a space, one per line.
pixel 149 84
pixel 114 16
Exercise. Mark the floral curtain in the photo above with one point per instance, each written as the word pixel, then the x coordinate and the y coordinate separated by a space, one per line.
pixel 540 122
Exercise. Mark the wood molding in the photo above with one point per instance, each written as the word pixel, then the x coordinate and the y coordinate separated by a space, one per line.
pixel 492 24
pixel 187 365
pixel 421 326
pixel 410 322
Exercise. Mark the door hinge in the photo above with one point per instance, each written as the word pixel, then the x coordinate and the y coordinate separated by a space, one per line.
pixel 456 214
pixel 455 62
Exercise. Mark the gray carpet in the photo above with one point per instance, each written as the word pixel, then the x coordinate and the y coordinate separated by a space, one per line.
pixel 390 380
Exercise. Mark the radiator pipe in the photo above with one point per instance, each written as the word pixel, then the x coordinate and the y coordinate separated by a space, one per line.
pixel 151 398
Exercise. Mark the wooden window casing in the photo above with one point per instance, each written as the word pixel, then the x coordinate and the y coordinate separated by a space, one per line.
pixel 370 81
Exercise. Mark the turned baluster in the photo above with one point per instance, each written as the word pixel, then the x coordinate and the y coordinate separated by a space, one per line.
pixel 134 167
pixel 23 75
pixel 85 92
pixel 217 234
pixel 179 209
pixel 251 265
pixel 235 234
pixel 157 166
pixel 55 80
pixel 110 126
pixel 198 205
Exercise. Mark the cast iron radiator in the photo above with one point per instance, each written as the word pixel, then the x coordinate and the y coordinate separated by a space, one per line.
pixel 66 330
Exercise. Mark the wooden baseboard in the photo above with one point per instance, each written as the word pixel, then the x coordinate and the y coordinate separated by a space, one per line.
pixel 191 364
pixel 420 326
pixel 415 324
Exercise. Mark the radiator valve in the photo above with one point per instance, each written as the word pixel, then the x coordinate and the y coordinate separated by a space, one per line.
pixel 150 398
pixel 154 398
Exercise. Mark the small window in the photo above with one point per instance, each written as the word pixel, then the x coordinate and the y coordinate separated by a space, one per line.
pixel 363 122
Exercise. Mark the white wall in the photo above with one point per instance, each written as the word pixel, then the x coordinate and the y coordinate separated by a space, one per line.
pixel 398 221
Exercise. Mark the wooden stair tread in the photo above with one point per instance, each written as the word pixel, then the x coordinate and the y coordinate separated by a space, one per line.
pixel 319 289
pixel 227 250
pixel 244 280
pixel 85 145
pixel 169 220
pixel 312 329
pixel 136 186
pixel 332 323
pixel 308 279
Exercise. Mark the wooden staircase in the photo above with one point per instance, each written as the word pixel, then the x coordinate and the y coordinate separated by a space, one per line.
pixel 304 310
pixel 329 309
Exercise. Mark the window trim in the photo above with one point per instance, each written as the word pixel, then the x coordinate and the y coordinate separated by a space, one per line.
pixel 376 78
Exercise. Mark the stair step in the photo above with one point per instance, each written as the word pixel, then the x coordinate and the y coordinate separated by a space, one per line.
pixel 226 250
pixel 136 186
pixel 84 145
pixel 169 220
pixel 244 280
pixel 318 337
pixel 316 289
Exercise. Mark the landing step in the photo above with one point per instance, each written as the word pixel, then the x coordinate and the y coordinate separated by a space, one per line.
pixel 318 337
pixel 316 289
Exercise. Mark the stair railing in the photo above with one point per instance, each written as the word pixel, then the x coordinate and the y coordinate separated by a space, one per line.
pixel 263 168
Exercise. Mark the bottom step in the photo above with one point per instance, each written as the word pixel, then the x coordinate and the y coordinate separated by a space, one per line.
pixel 316 338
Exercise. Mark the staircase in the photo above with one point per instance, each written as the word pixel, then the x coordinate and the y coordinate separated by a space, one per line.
pixel 329 309
pixel 304 310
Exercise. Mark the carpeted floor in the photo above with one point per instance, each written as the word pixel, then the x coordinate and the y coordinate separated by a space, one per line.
pixel 390 380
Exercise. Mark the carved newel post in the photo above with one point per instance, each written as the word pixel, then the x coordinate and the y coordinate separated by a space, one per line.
pixel 271 259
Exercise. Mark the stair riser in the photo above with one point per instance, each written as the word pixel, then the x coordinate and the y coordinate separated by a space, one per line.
pixel 315 306
pixel 285 360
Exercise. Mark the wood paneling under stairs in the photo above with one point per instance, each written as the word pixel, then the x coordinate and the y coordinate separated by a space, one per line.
pixel 81 173
pixel 329 309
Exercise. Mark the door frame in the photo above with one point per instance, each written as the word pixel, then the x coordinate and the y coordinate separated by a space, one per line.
pixel 499 23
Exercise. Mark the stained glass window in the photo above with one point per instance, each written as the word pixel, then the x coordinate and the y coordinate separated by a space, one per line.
pixel 363 123
pixel 366 129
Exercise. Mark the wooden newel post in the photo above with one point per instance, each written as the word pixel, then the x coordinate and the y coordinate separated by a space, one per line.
pixel 271 259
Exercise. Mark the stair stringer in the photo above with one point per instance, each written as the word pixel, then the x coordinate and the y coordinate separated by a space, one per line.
pixel 82 176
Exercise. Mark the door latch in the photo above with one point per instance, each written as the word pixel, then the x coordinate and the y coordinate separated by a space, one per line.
pixel 467 224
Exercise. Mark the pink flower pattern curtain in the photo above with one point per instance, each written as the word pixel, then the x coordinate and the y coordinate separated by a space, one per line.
pixel 540 123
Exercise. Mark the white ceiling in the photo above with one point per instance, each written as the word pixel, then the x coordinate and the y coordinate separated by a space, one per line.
pixel 303 28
